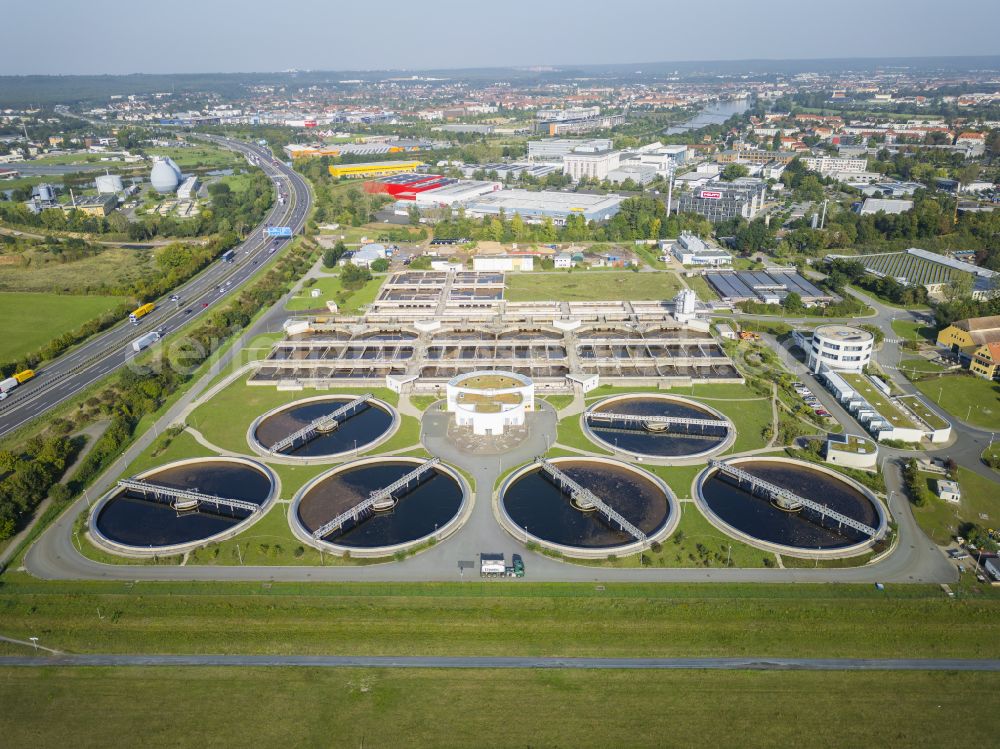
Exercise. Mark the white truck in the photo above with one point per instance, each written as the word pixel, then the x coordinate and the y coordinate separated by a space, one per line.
pixel 145 341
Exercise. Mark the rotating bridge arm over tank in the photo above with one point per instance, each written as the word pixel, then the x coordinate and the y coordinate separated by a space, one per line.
pixel 323 423
pixel 185 498
pixel 667 420
pixel 377 497
pixel 788 499
pixel 586 498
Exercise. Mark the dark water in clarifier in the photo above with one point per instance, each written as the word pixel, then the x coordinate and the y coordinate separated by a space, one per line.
pixel 632 438
pixel 368 423
pixel 434 502
pixel 756 516
pixel 535 503
pixel 130 519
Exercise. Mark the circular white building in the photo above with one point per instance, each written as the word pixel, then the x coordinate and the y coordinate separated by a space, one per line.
pixel 841 348
pixel 489 401
pixel 166 175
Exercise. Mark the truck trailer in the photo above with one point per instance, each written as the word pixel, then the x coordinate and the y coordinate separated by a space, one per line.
pixel 145 341
pixel 141 312
pixel 16 379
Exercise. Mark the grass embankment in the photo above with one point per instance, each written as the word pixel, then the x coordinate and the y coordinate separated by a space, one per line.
pixel 972 399
pixel 445 708
pixel 225 418
pixel 700 287
pixel 942 520
pixel 501 618
pixel 31 320
pixel 584 286
pixel 349 301
pixel 879 401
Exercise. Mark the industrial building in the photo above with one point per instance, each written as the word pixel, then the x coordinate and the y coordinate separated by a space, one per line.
pixel 587 163
pixel 503 263
pixel 373 148
pixel 721 201
pixel 535 207
pixel 430 189
pixel 641 174
pixel 373 169
pixel 916 267
pixel 511 171
pixel 770 287
pixel 883 205
pixel 93 205
pixel 690 250
pixel 554 149
pixel 188 189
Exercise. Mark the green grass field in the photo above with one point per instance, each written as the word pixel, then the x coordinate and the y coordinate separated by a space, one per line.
pixel 941 520
pixel 700 287
pixel 914 331
pixel 349 301
pixel 225 707
pixel 591 286
pixel 965 396
pixel 501 618
pixel 32 320
pixel 113 267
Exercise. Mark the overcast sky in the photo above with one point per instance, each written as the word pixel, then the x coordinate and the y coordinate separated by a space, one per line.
pixel 187 36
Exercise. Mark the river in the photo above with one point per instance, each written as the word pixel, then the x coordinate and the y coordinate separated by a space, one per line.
pixel 716 114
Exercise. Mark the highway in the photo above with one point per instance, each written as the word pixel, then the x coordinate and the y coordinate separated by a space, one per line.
pixel 110 350
pixel 516 662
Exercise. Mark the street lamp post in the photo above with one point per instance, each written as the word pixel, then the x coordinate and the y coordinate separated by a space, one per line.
pixel 34 641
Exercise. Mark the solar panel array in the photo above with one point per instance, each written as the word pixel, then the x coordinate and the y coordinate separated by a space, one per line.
pixel 916 270
pixel 744 285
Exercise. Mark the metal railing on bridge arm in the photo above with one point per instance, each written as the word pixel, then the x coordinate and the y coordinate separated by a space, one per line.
pixel 656 419
pixel 585 498
pixel 183 499
pixel 323 423
pixel 377 497
pixel 786 499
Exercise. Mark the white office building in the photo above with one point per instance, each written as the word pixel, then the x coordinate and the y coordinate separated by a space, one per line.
pixel 831 164
pixel 554 149
pixel 590 164
pixel 690 250
pixel 840 347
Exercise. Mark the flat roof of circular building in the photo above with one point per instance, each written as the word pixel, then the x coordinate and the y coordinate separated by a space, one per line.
pixel 488 379
pixel 844 333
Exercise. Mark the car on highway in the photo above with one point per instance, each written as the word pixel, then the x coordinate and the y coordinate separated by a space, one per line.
pixel 187 311
pixel 204 304
pixel 174 298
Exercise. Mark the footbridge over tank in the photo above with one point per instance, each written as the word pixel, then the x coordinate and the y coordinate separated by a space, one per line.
pixel 326 423
pixel 586 499
pixel 380 499
pixel 185 499
pixel 657 421
pixel 786 499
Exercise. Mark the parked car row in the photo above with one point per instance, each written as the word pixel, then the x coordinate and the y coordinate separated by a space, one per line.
pixel 810 399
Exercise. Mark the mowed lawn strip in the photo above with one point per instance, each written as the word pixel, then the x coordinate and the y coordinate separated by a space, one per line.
pixel 501 618
pixel 583 286
pixel 482 707
pixel 31 320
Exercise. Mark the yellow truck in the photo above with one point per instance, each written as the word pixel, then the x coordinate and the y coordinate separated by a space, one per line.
pixel 141 312
pixel 12 382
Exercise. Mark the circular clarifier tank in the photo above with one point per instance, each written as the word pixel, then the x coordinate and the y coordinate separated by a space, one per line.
pixel 533 505
pixel 422 505
pixel 746 506
pixel 658 426
pixel 215 498
pixel 360 427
